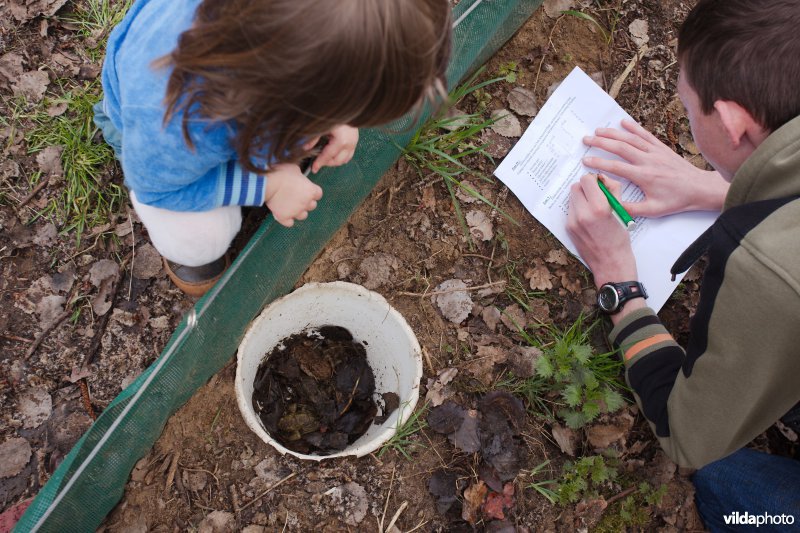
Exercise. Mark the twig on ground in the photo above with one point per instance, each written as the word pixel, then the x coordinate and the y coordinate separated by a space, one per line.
pixel 396 516
pixel 466 289
pixel 276 485
pixel 428 360
pixel 616 87
pixel 389 495
pixel 172 469
pixel 86 398
pixel 621 495
pixel 39 186
pixel 46 331
pixel 15 338
pixel 418 526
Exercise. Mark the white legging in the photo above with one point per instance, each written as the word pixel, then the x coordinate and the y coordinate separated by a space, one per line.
pixel 191 238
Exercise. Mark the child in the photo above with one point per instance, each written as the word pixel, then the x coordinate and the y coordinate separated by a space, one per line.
pixel 211 104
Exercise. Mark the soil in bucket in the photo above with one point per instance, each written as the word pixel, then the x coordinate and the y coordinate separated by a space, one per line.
pixel 315 392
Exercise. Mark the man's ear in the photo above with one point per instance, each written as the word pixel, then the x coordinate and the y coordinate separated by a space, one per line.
pixel 739 125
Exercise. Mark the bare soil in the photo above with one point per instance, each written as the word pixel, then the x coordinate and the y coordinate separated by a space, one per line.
pixel 208 471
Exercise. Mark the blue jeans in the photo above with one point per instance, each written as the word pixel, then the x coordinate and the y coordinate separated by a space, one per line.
pixel 754 491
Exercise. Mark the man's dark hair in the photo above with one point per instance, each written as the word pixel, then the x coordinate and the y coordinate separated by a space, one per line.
pixel 745 51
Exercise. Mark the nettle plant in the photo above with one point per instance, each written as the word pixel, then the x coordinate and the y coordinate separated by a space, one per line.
pixel 587 383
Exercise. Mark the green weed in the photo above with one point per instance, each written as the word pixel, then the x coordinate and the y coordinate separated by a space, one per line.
pixel 88 199
pixel 588 384
pixel 584 478
pixel 508 71
pixel 401 440
pixel 543 487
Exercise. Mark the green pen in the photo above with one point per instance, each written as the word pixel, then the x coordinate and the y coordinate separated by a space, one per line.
pixel 625 219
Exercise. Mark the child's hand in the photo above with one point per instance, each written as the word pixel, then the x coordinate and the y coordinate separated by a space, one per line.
pixel 341 146
pixel 289 194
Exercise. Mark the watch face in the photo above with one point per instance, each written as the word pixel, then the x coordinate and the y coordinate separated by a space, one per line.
pixel 607 298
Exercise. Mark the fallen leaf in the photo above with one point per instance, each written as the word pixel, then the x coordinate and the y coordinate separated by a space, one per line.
pixel 102 270
pixel 462 194
pixel 459 119
pixel 455 303
pixel 554 8
pixel 378 270
pixel 78 373
pixel 491 317
pixel 14 455
pixel 32 85
pixel 352 498
pixel 147 262
pixel 474 497
pixel 49 308
pixel 446 418
pixel 513 317
pixel 442 485
pixel 506 123
pixel 522 360
pixel 428 200
pixel 10 68
pixel 438 391
pixel 466 436
pixel 217 522
pixel 559 257
pixel 480 225
pixel 496 503
pixel 601 436
pixel 46 235
pixel 522 101
pixel 566 439
pixel 49 161
pixel 482 365
pixel 574 286
pixel 539 277
pixel 590 511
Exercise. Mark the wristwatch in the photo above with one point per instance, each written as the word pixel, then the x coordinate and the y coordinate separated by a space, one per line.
pixel 612 296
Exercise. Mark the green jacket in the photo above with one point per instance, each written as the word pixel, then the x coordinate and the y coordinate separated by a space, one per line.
pixel 741 369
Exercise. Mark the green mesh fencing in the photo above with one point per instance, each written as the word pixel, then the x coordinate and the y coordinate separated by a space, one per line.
pixel 91 479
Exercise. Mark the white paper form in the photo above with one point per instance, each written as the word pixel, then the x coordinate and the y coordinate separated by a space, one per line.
pixel 547 160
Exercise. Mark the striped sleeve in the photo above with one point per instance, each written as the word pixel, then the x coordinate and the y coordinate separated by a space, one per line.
pixel 652 362
pixel 237 186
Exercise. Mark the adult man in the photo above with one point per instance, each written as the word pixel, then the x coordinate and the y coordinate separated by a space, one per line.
pixel 739 82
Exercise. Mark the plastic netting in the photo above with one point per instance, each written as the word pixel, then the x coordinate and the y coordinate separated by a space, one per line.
pixel 91 479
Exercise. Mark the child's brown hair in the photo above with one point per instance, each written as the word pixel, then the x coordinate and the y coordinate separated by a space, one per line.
pixel 285 71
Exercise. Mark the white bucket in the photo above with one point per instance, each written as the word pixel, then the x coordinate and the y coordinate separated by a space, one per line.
pixel 392 351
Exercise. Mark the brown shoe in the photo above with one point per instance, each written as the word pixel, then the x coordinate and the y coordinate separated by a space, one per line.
pixel 195 281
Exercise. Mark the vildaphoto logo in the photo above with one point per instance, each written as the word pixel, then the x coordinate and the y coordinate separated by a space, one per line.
pixel 746 519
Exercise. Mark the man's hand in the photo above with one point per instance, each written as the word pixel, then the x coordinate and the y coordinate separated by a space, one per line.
pixel 601 240
pixel 669 182
pixel 342 141
pixel 289 194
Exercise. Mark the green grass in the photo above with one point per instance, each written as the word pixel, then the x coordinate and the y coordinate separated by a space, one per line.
pixel 401 441
pixel 88 198
pixel 543 487
pixel 94 19
pixel 444 142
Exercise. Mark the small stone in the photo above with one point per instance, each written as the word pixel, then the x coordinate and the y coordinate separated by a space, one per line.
pixel 36 406
pixel 14 455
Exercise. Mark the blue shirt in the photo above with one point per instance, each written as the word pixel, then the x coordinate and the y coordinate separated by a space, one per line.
pixel 157 163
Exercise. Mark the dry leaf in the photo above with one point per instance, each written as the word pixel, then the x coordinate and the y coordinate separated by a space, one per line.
pixel 428 198
pixel 147 262
pixel 559 257
pixel 14 455
pixel 480 225
pixel 554 8
pixel 566 439
pixel 32 85
pixel 496 503
pixel 639 32
pixel 513 318
pixel 491 316
pixel 539 277
pixel 522 101
pixel 506 124
pixel 455 303
pixel 474 496
pixel 482 365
